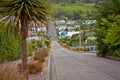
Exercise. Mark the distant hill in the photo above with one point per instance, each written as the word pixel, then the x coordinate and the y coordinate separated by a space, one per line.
pixel 73 1
pixel 74 11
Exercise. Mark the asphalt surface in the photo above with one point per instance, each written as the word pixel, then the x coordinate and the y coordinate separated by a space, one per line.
pixel 69 65
pixel 52 32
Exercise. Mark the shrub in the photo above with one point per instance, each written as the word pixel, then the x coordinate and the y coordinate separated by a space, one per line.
pixel 29 48
pixel 10 72
pixel 34 67
pixel 90 41
pixel 68 47
pixel 68 43
pixel 73 48
pixel 39 43
pixel 64 45
pixel 40 54
pixel 78 48
pixel 46 52
pixel 47 43
pixel 34 43
pixel 10 46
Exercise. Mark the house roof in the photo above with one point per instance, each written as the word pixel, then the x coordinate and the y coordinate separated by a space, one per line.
pixel 29 33
pixel 38 26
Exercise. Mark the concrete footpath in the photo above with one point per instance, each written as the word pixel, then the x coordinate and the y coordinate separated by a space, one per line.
pixel 68 65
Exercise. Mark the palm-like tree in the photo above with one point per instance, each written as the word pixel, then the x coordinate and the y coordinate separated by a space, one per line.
pixel 24 12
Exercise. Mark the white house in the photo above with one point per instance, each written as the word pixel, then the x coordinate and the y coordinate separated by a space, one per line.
pixel 69 34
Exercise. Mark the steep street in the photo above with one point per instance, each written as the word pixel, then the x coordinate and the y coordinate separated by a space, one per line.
pixel 69 65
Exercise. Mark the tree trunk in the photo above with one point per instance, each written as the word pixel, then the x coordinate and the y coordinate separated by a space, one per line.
pixel 24 30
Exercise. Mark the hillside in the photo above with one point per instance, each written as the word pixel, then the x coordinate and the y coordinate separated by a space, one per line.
pixel 74 11
pixel 70 7
pixel 73 1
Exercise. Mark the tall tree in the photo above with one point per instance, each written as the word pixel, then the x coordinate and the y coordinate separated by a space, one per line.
pixel 106 9
pixel 24 12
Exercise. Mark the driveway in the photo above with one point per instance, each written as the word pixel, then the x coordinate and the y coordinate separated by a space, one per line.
pixel 69 65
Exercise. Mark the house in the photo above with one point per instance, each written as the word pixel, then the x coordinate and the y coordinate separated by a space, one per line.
pixel 89 22
pixel 69 34
pixel 39 28
pixel 91 47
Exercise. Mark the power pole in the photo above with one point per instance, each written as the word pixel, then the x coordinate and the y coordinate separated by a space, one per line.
pixel 79 33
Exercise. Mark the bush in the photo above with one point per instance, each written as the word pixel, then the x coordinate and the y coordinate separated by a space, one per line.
pixel 10 46
pixel 73 48
pixel 34 43
pixel 78 48
pixel 68 43
pixel 29 48
pixel 46 52
pixel 64 39
pixel 34 67
pixel 64 45
pixel 47 43
pixel 90 41
pixel 40 54
pixel 68 47
pixel 39 44
pixel 10 72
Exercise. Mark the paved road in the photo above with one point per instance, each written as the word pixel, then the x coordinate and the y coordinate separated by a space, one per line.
pixel 68 65
pixel 52 31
